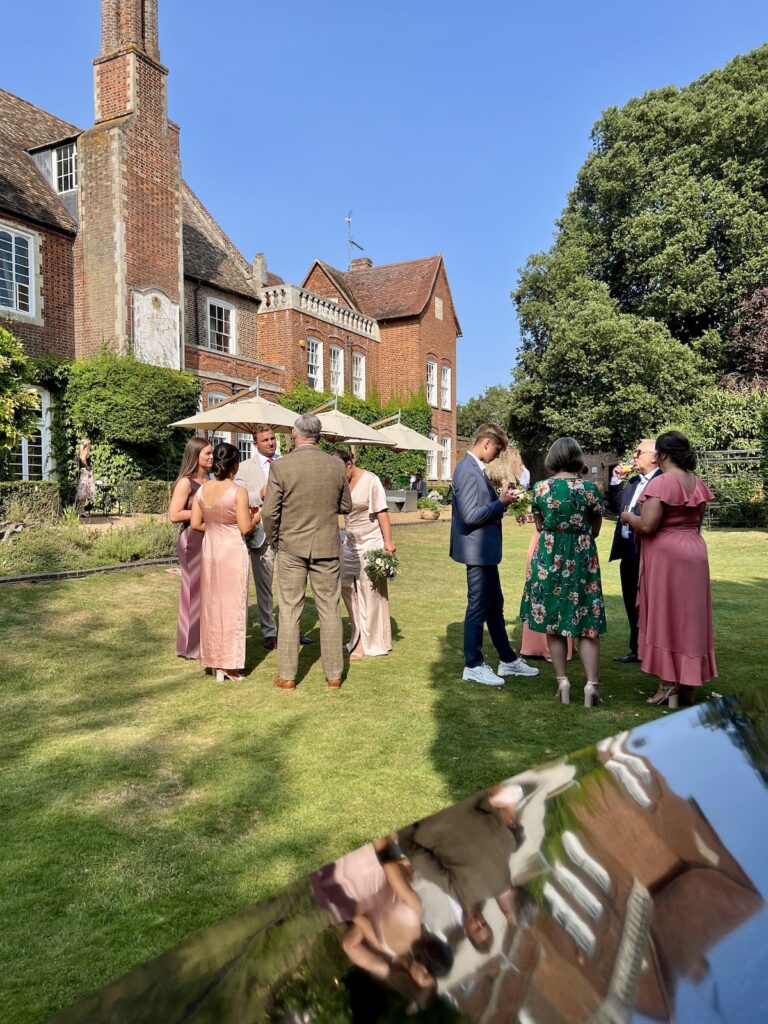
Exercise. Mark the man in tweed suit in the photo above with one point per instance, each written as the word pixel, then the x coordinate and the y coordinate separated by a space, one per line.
pixel 306 492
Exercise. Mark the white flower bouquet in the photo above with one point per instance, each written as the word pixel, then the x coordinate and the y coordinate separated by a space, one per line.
pixel 380 565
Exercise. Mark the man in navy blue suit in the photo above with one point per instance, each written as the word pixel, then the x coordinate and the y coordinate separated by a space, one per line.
pixel 624 494
pixel 476 542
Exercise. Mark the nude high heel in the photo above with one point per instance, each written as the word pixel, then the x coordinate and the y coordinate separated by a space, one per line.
pixel 563 690
pixel 233 677
pixel 592 695
pixel 669 695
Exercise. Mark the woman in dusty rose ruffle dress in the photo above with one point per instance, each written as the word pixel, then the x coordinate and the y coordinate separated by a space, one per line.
pixel 674 598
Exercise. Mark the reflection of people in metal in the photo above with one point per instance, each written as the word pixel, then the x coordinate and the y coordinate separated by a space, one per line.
pixel 369 890
pixel 466 849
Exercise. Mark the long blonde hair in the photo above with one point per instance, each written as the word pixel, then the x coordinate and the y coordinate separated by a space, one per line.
pixel 190 460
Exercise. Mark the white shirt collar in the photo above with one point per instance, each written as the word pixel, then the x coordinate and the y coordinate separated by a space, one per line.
pixel 480 464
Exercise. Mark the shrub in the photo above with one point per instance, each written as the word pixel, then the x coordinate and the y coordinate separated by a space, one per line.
pixel 445 491
pixel 150 539
pixel 63 546
pixel 739 500
pixel 29 501
pixel 152 496
pixel 431 504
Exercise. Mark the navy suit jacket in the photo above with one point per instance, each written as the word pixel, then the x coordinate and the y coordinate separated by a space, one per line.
pixel 620 498
pixel 476 516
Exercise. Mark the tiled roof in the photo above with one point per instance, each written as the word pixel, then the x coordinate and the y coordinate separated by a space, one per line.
pixel 208 254
pixel 30 127
pixel 389 292
pixel 24 191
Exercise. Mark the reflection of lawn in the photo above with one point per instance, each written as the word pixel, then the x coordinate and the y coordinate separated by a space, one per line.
pixel 141 801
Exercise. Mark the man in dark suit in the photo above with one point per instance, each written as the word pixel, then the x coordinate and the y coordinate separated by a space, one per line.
pixel 624 494
pixel 476 542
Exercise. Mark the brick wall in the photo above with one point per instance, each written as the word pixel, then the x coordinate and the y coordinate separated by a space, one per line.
pixel 51 330
pixel 196 318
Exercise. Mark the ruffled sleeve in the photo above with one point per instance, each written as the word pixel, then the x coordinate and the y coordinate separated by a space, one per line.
pixel 377 499
pixel 670 490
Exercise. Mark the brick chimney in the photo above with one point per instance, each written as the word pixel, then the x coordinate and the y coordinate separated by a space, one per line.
pixel 129 259
pixel 361 263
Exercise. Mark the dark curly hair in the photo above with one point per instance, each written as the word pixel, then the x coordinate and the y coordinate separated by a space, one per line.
pixel 344 455
pixel 225 456
pixel 677 448
pixel 434 954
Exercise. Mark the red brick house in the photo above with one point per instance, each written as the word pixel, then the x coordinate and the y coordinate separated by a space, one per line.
pixel 102 243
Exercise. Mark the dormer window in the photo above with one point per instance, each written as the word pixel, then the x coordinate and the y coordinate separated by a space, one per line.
pixel 65 167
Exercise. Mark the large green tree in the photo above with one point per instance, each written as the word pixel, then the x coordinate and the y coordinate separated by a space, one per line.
pixel 491 407
pixel 663 236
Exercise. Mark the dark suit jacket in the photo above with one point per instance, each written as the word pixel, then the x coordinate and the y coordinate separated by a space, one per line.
pixel 475 516
pixel 620 498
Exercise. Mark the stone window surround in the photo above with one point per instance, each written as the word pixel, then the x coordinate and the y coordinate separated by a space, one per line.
pixel 35 315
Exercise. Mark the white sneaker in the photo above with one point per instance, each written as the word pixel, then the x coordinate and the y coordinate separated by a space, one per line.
pixel 518 667
pixel 482 674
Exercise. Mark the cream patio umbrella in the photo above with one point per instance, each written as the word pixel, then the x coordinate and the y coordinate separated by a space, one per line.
pixel 241 417
pixel 338 426
pixel 406 439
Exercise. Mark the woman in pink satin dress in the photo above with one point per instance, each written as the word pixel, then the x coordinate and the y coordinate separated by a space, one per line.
pixel 674 597
pixel 220 509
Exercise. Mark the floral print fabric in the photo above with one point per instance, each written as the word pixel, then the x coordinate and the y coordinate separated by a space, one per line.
pixel 563 594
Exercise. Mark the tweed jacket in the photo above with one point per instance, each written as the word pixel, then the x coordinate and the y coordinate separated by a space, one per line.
pixel 306 493
pixel 476 516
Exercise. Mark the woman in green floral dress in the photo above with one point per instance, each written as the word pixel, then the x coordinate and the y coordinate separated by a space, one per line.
pixel 563 594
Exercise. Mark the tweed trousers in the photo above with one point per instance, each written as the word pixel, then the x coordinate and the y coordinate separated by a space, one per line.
pixel 292 572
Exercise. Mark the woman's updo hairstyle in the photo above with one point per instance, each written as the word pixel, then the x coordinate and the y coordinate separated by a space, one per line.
pixel 677 448
pixel 225 456
pixel 565 456
pixel 344 455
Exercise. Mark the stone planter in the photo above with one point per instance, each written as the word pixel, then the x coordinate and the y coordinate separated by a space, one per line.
pixel 427 513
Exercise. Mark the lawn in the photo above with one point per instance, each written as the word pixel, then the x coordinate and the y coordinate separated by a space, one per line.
pixel 141 801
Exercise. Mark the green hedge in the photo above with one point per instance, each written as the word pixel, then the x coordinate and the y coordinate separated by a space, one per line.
pixel 444 490
pixel 739 501
pixel 29 501
pixel 152 496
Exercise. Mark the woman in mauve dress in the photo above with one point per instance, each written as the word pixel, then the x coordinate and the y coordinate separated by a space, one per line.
pixel 368 527
pixel 674 597
pixel 221 511
pixel 195 466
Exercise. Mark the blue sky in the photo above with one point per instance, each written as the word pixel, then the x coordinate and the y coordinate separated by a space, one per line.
pixel 445 126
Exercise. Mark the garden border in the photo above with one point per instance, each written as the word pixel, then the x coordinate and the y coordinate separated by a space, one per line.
pixel 73 574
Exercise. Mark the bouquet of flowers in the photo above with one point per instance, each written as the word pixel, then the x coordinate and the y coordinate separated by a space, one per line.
pixel 380 565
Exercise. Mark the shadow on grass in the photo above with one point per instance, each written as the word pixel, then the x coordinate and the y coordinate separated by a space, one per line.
pixel 485 733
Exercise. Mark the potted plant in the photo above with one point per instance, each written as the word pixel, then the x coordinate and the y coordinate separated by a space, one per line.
pixel 428 508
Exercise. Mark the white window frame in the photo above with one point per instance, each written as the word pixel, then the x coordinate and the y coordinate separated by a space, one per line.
pixel 432 459
pixel 446 457
pixel 231 350
pixel 244 444
pixel 438 308
pixel 336 387
pixel 45 442
pixel 316 346
pixel 432 382
pixel 358 375
pixel 31 286
pixel 58 154
pixel 445 387
pixel 213 399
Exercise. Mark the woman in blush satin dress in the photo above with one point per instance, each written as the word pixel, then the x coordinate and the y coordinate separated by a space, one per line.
pixel 674 596
pixel 220 509
pixel 195 466
pixel 368 527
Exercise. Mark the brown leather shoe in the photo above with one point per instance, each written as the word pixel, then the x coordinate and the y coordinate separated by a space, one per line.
pixel 334 684
pixel 285 684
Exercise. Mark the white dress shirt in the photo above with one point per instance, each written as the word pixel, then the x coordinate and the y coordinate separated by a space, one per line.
pixel 644 479
pixel 480 464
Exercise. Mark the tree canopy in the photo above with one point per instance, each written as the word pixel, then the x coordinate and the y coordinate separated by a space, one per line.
pixel 649 282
